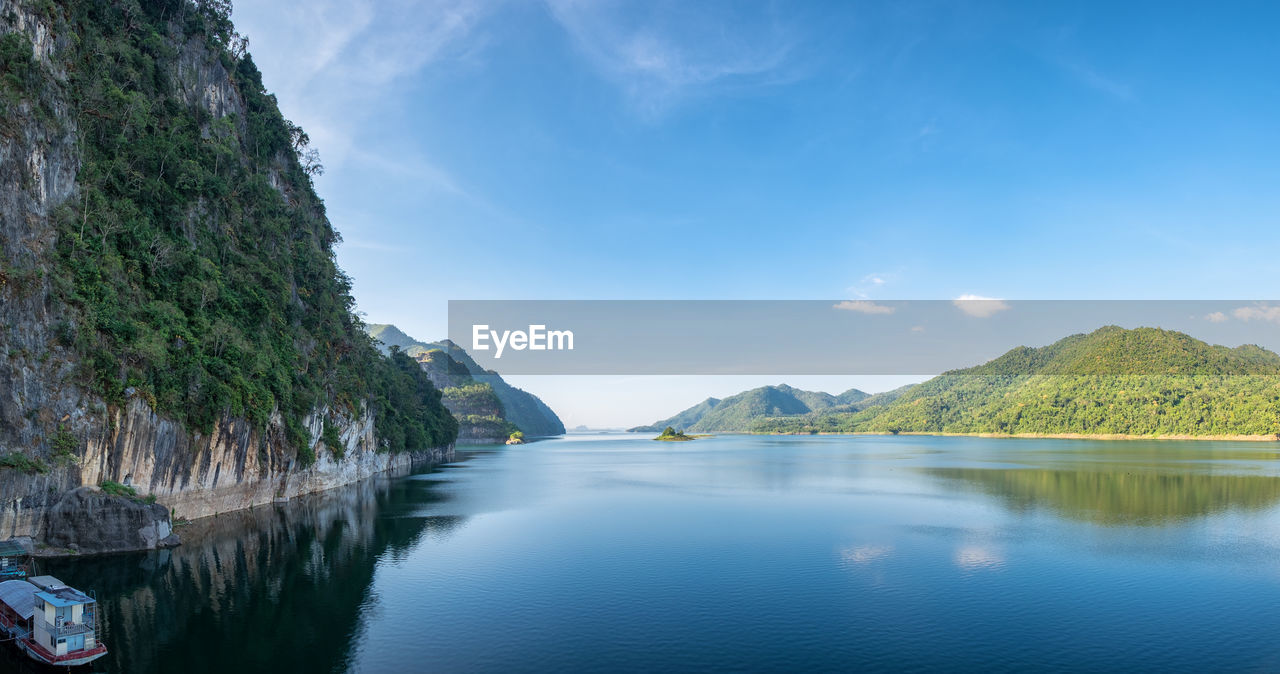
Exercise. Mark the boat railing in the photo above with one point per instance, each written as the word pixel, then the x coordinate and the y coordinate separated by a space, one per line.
pixel 67 629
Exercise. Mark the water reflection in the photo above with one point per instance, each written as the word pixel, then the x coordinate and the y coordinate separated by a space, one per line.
pixel 277 588
pixel 1118 496
pixel 737 552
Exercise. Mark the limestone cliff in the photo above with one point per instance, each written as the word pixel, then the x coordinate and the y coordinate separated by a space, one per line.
pixel 172 317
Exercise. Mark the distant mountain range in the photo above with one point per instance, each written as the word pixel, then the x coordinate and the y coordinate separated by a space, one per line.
pixel 1113 381
pixel 486 406
pixel 738 413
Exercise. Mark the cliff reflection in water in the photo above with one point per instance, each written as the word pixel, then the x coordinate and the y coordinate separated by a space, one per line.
pixel 1128 496
pixel 279 588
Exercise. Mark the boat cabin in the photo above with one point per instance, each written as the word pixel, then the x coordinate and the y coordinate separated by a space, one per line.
pixel 65 618
pixel 50 622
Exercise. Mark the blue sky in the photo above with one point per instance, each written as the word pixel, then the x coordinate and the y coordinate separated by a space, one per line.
pixel 573 149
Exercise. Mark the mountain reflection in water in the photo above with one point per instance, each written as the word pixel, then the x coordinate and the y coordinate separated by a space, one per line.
pixel 1119 496
pixel 280 587
pixel 744 553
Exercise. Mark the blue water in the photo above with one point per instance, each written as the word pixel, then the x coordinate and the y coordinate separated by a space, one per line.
pixel 616 553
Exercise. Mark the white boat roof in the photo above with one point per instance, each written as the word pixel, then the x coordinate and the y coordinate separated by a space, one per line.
pixel 20 596
pixel 46 582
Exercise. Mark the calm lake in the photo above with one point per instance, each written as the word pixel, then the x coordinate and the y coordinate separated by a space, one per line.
pixel 613 552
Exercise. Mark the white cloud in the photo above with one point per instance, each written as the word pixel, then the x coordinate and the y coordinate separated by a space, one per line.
pixel 980 307
pixel 870 283
pixel 864 307
pixel 335 64
pixel 658 53
pixel 917 328
pixel 1216 317
pixel 1260 313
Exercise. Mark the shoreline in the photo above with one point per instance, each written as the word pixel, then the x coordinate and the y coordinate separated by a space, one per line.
pixel 434 456
pixel 1054 436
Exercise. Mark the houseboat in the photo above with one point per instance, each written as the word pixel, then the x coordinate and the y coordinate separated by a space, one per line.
pixel 50 622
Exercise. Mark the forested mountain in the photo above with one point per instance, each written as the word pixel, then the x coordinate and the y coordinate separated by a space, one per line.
pixel 195 262
pixel 464 384
pixel 737 413
pixel 168 287
pixel 685 419
pixel 1145 381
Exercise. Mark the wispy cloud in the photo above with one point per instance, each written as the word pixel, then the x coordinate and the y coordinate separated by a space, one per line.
pixel 1097 81
pixel 864 307
pixel 1258 313
pixel 335 64
pixel 869 284
pixel 979 306
pixel 659 53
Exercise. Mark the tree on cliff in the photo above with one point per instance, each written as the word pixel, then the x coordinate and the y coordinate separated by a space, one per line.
pixel 194 268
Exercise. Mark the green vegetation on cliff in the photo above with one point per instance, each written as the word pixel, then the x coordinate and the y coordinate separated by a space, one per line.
pixel 452 368
pixel 1146 382
pixel 195 258
pixel 487 428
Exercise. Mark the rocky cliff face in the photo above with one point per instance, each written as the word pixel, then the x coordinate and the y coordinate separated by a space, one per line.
pixel 190 474
pixel 56 435
pixel 482 418
pixel 452 370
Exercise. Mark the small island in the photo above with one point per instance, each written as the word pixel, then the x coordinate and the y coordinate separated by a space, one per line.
pixel 670 434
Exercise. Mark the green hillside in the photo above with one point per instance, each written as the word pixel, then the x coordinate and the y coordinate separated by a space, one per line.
pixel 1143 382
pixel 685 419
pixel 450 365
pixel 738 413
pixel 194 266
pixel 827 420
pixel 389 335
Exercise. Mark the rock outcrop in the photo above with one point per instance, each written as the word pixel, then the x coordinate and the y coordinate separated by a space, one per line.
pixel 86 520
